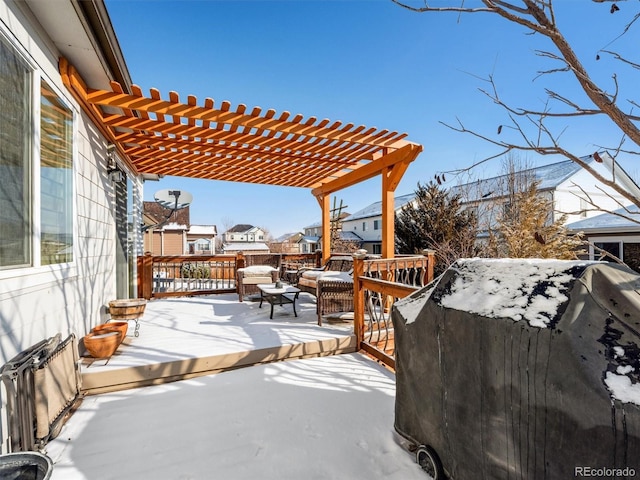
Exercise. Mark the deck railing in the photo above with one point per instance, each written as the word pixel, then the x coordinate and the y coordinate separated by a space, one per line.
pixel 181 275
pixel 377 285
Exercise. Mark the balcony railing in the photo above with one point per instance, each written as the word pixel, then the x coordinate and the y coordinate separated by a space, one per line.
pixel 377 285
pixel 180 275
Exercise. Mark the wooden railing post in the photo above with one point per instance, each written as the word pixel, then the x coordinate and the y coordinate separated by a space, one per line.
pixel 431 260
pixel 145 276
pixel 318 258
pixel 240 261
pixel 358 296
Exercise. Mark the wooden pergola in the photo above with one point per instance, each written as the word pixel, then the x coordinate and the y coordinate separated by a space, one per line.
pixel 170 137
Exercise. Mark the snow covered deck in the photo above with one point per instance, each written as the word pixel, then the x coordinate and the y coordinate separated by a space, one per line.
pixel 191 336
pixel 328 417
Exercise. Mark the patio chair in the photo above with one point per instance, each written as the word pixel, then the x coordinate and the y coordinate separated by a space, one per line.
pixel 258 268
pixel 307 276
pixel 331 284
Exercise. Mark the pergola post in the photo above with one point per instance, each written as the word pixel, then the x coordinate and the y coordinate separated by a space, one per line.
pixel 325 205
pixel 388 217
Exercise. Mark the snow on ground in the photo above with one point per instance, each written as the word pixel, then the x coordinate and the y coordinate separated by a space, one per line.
pixel 196 327
pixel 321 418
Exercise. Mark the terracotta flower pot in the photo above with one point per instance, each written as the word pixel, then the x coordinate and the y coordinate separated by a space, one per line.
pixel 111 326
pixel 102 345
pixel 127 308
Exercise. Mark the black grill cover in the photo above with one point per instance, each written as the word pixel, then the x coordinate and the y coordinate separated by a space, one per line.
pixel 526 369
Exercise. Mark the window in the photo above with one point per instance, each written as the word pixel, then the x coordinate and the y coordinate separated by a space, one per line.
pixel 56 179
pixel 377 249
pixel 584 206
pixel 609 247
pixel 631 254
pixel 203 245
pixel 36 224
pixel 15 159
pixel 364 226
pixel 376 225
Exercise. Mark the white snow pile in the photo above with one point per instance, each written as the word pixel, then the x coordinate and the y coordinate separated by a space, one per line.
pixel 623 382
pixel 529 289
pixel 621 387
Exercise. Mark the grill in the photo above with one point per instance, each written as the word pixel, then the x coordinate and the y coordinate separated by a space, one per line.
pixel 42 385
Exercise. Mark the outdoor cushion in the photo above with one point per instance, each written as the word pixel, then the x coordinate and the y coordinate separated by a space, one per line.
pixel 312 274
pixel 336 276
pixel 257 280
pixel 311 277
pixel 257 271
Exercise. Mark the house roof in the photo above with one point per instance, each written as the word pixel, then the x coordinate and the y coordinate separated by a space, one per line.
pixel 287 237
pixel 156 213
pixel 349 236
pixel 343 216
pixel 309 239
pixel 375 209
pixel 202 230
pixel 174 226
pixel 245 246
pixel 241 228
pixel 610 222
pixel 548 176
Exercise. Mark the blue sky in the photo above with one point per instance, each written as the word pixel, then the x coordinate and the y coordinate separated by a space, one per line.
pixel 365 62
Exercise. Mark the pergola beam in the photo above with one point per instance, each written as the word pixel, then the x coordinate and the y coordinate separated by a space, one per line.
pixel 168 137
pixel 405 154
pixel 391 167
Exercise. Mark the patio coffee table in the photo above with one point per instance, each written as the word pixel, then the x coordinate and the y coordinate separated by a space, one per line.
pixel 278 296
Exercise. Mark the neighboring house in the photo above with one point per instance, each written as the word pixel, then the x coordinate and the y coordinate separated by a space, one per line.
pixel 244 238
pixel 170 232
pixel 312 238
pixel 310 241
pixel 614 232
pixel 566 184
pixel 287 243
pixel 71 208
pixel 367 223
pixel 201 240
pixel 166 229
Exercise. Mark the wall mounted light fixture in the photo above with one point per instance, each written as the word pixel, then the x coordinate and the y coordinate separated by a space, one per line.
pixel 115 174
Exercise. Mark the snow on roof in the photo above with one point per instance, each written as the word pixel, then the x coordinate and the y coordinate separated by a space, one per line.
pixel 174 226
pixel 375 209
pixel 350 236
pixel 285 237
pixel 202 230
pixel 245 246
pixel 309 239
pixel 608 221
pixel 529 289
pixel 549 176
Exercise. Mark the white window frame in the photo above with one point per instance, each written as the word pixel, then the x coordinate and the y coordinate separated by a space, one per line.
pixel 621 240
pixel 12 279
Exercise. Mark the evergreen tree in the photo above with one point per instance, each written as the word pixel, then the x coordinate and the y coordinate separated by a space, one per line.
pixel 435 220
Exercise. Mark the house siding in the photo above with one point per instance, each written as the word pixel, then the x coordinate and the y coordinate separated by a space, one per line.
pixel 36 303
